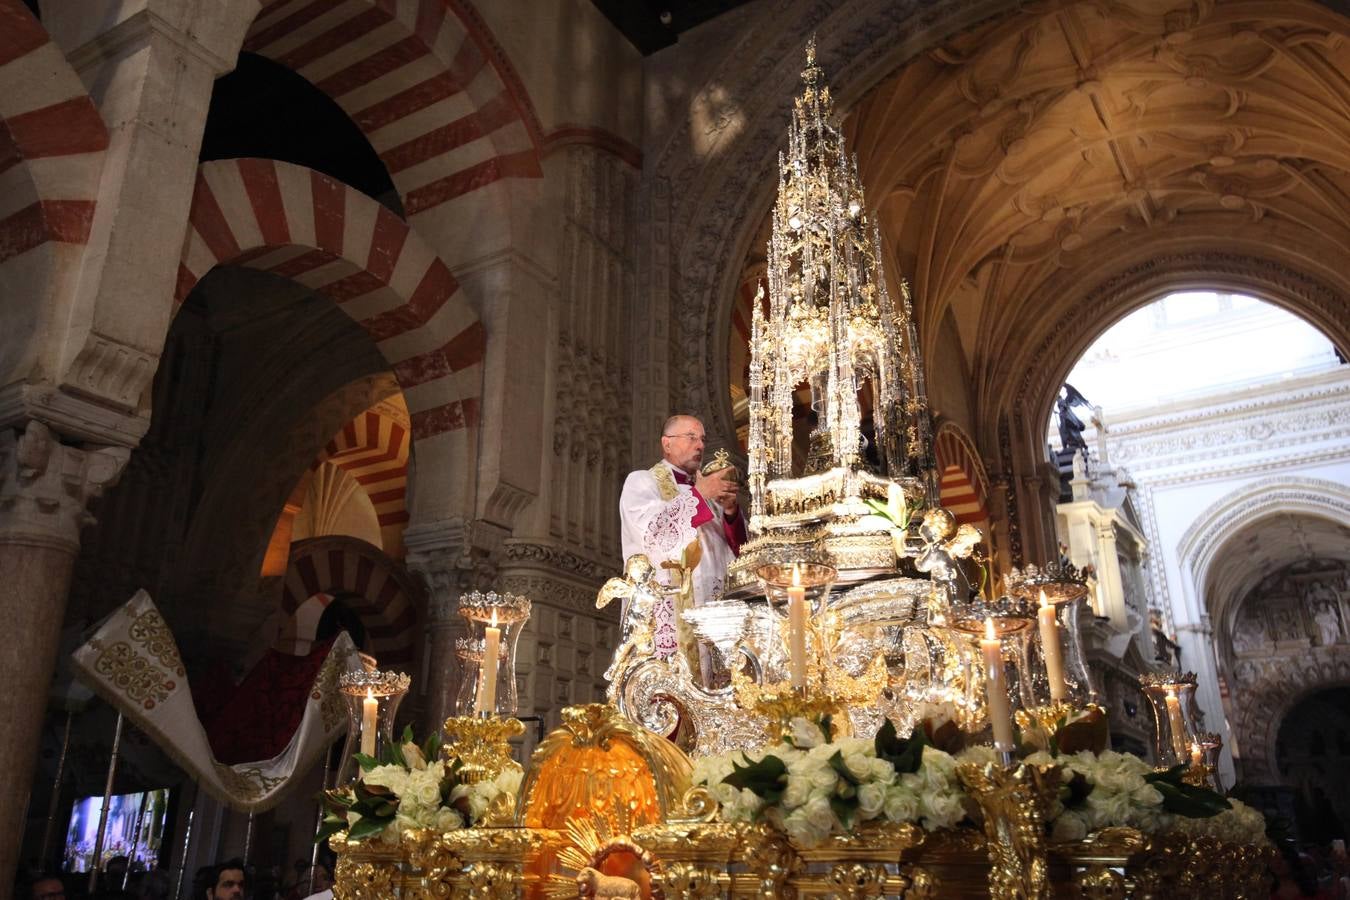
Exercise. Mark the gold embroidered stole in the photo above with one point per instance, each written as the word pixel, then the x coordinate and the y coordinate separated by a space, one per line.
pixel 665 481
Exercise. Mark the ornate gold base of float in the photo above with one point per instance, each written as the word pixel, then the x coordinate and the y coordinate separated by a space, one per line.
pixel 640 832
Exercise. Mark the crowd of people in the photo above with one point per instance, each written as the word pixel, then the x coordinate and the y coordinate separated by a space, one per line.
pixel 1320 872
pixel 231 879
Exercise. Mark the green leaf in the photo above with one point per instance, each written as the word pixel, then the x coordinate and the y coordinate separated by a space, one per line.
pixel 431 749
pixel 841 768
pixel 329 828
pixel 1191 801
pixel 1078 788
pixel 766 779
pixel 844 809
pixel 827 727
pixel 365 762
pixel 395 752
pixel 369 826
pixel 905 755
pixel 407 737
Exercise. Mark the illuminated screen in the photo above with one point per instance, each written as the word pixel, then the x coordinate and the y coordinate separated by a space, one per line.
pixel 135 829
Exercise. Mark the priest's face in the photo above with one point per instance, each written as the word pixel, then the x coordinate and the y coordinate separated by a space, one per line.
pixel 682 444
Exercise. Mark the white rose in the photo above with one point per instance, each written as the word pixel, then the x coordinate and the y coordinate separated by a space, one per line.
pixel 799 788
pixel 413 755
pixel 902 804
pixel 802 830
pixel 425 787
pixel 942 811
pixel 806 733
pixel 818 811
pixel 871 799
pixel 510 778
pixel 1069 827
pixel 448 819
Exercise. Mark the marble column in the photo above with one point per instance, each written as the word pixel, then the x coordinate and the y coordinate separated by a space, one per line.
pixel 441 555
pixel 45 487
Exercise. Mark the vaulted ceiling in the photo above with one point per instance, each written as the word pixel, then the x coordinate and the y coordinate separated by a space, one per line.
pixel 1024 163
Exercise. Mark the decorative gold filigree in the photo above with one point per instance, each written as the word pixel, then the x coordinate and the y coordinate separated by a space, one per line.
pixel 364 880
pixel 482 744
pixel 1016 804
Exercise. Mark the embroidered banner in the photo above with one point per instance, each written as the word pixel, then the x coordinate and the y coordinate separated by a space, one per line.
pixel 132 661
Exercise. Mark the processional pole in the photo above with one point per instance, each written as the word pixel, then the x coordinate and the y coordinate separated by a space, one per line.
pixel 318 822
pixel 107 801
pixel 50 832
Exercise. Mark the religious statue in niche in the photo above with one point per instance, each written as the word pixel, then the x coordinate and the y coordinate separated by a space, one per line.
pixel 1286 624
pixel 1327 617
pixel 1248 634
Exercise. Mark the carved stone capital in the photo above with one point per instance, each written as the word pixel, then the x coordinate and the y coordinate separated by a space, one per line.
pixel 443 556
pixel 45 486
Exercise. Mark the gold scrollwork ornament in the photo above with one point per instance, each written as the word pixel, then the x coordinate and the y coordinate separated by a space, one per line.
pixel 360 880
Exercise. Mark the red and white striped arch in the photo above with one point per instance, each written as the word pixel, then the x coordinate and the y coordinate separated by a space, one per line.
pixel 373 449
pixel 964 486
pixel 52 140
pixel 300 224
pixel 323 567
pixel 425 82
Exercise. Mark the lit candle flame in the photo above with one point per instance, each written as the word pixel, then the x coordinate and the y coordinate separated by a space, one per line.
pixel 1045 601
pixel 796 575
pixel 370 693
pixel 494 618
pixel 989 633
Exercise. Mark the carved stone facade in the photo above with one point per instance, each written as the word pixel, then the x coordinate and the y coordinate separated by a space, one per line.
pixel 1290 638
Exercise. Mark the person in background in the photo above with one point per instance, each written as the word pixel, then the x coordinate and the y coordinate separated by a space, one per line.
pixel 48 886
pixel 227 881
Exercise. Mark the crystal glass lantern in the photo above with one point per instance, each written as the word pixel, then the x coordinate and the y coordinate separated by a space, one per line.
pixel 470 653
pixel 1171 694
pixel 372 699
pixel 495 621
pixel 1077 679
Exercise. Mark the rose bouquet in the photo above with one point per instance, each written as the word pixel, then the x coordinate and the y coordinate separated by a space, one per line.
pixel 812 785
pixel 411 787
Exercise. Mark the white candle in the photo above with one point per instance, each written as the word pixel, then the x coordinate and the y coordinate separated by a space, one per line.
pixel 1197 756
pixel 996 688
pixel 487 681
pixel 797 629
pixel 1176 724
pixel 370 716
pixel 1050 649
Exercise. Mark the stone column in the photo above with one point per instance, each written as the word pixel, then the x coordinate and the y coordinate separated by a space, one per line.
pixel 441 555
pixel 44 489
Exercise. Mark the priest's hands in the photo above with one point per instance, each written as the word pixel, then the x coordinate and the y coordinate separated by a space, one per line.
pixel 719 489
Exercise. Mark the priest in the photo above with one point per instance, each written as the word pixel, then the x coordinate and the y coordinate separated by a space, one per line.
pixel 664 508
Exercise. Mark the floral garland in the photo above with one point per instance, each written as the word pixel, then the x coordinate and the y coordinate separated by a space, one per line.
pixel 810 786
pixel 411 788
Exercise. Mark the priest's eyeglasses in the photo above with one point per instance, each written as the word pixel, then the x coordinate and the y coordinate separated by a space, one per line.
pixel 687 435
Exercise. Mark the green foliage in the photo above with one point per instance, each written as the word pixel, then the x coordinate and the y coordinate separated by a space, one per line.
pixel 906 755
pixel 1182 799
pixel 766 779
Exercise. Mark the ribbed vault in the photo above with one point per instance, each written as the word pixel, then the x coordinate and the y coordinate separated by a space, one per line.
pixel 1022 165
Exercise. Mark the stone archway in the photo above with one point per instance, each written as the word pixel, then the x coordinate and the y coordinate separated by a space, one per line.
pixel 344 565
pixel 52 145
pixel 302 225
pixel 454 178
pixel 1271 647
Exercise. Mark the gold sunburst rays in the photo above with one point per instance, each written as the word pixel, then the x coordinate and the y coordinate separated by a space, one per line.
pixel 602 844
